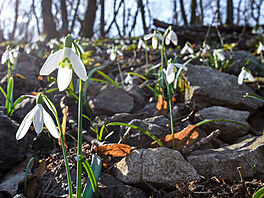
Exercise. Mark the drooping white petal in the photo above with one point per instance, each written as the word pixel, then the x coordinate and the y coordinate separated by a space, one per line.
pixel 250 77
pixel 38 118
pixel 64 77
pixel 11 57
pixel 170 73
pixel 49 123
pixel 141 44
pixel 129 80
pixel 260 48
pixel 4 57
pixel 78 66
pixel 170 77
pixel 168 39
pixel 160 37
pixel 119 53
pixel 112 56
pixel 109 51
pixel 181 66
pixel 184 49
pixel 148 36
pixel 174 38
pixel 24 126
pixel 155 42
pixel 51 63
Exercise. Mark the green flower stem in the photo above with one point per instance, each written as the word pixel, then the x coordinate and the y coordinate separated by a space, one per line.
pixel 8 70
pixel 223 120
pixel 120 73
pixel 162 73
pixel 146 53
pixel 170 109
pixel 54 111
pixel 79 146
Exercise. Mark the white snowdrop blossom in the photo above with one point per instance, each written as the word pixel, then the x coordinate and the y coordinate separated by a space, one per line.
pixel 187 48
pixel 66 61
pixel 219 54
pixel 113 53
pixel 52 43
pixel 205 48
pixel 128 79
pixel 7 55
pixel 156 37
pixel 171 37
pixel 244 74
pixel 260 48
pixel 141 44
pixel 124 47
pixel 171 70
pixel 39 116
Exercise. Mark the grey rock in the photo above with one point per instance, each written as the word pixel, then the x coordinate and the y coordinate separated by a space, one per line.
pixel 112 188
pixel 206 87
pixel 111 100
pixel 229 131
pixel 138 95
pixel 160 166
pixel 23 108
pixel 223 162
pixel 156 126
pixel 240 59
pixel 11 150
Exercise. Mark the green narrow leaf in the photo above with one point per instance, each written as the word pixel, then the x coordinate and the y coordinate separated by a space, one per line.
pixel 17 102
pixel 108 78
pixel 2 90
pixel 90 173
pixel 254 96
pixel 222 120
pixel 259 193
pixel 136 74
pixel 96 167
pixel 26 174
pixel 99 80
pixel 51 90
pixel 9 99
pixel 138 128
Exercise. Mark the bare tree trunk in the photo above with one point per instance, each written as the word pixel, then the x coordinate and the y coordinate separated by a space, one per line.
pixel 202 13
pixel 64 17
pixel 35 15
pixel 229 13
pixel 175 14
pixel 75 15
pixel 219 13
pixel 238 12
pixel 49 27
pixel 124 18
pixel 134 23
pixel 87 25
pixel 142 10
pixel 193 12
pixel 183 13
pixel 12 35
pixel 102 20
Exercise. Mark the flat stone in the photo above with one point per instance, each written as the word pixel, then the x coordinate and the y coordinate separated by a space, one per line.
pixel 110 187
pixel 223 162
pixel 205 87
pixel 11 150
pixel 229 131
pixel 160 166
pixel 111 100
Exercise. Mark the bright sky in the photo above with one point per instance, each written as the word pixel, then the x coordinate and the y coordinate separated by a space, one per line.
pixel 160 9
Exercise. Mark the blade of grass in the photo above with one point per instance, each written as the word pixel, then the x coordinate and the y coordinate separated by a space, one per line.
pixel 138 128
pixel 108 78
pixel 26 175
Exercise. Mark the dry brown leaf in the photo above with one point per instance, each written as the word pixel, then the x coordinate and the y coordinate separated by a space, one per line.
pixel 182 139
pixel 63 126
pixel 32 188
pixel 116 150
pixel 40 77
pixel 41 169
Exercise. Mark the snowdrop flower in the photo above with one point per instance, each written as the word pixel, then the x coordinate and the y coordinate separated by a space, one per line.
pixel 205 48
pixel 129 79
pixel 245 74
pixel 171 70
pixel 260 48
pixel 124 47
pixel 113 53
pixel 39 116
pixel 171 37
pixel 27 49
pixel 7 55
pixel 15 52
pixel 51 44
pixel 187 48
pixel 141 44
pixel 66 61
pixel 155 39
pixel 219 54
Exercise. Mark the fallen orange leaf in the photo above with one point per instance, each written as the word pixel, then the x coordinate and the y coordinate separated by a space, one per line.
pixel 63 126
pixel 116 150
pixel 184 138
